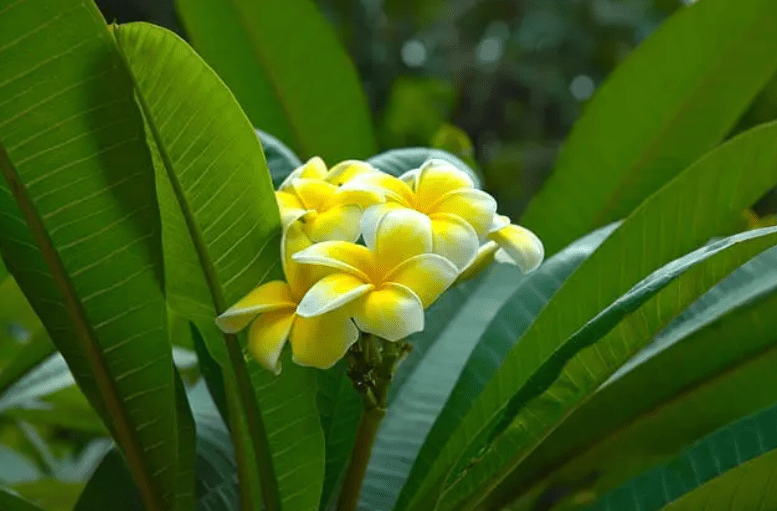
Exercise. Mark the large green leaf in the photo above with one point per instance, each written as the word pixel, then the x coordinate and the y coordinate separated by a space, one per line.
pixel 663 228
pixel 733 467
pixel 591 367
pixel 79 223
pixel 466 352
pixel 221 234
pixel 613 336
pixel 671 101
pixel 623 429
pixel 288 70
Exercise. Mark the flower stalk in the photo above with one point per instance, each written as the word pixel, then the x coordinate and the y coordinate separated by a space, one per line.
pixel 372 363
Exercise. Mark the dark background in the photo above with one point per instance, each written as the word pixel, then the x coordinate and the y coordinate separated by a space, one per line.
pixel 498 82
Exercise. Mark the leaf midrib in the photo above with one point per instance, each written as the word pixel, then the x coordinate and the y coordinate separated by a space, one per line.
pixel 85 335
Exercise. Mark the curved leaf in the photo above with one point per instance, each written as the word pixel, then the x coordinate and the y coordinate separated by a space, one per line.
pixel 442 388
pixel 79 223
pixel 288 70
pixel 664 227
pixel 399 161
pixel 540 411
pixel 672 100
pixel 280 159
pixel 221 233
pixel 622 428
pixel 735 464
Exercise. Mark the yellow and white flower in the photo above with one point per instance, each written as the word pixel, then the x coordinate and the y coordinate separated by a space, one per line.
pixel 323 202
pixel 507 243
pixel 460 214
pixel 272 308
pixel 386 285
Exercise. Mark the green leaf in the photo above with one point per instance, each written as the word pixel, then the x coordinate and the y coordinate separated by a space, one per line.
pixel 663 228
pixel 340 407
pixel 654 434
pixel 733 467
pixel 296 441
pixel 280 159
pixel 464 356
pixel 12 502
pixel 288 70
pixel 221 233
pixel 573 373
pixel 623 429
pixel 79 223
pixel 399 161
pixel 671 101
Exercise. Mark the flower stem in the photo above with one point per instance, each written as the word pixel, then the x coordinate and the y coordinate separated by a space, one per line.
pixel 372 363
pixel 369 422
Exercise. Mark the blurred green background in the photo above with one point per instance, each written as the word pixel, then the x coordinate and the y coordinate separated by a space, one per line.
pixel 498 82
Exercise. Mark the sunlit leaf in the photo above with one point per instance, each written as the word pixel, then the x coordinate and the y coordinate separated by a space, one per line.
pixel 79 223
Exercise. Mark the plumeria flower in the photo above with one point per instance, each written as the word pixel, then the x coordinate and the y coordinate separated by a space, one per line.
pixel 272 308
pixel 386 285
pixel 322 200
pixel 507 243
pixel 460 214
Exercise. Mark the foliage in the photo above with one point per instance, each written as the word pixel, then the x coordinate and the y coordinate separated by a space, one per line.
pixel 626 372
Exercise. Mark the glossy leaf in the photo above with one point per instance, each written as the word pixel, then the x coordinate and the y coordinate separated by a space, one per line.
pixel 210 165
pixel 664 227
pixel 573 372
pixel 671 101
pixel 462 359
pixel 733 467
pixel 79 223
pixel 623 429
pixel 280 159
pixel 288 70
pixel 398 161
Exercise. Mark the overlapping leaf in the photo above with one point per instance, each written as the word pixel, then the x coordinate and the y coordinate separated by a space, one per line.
pixel 664 227
pixel 221 235
pixel 733 468
pixel 672 100
pixel 613 336
pixel 79 223
pixel 622 428
pixel 466 352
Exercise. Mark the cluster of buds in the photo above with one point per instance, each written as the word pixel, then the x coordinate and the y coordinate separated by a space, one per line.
pixel 366 251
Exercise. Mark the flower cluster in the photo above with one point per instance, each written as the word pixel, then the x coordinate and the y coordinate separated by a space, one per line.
pixel 421 232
